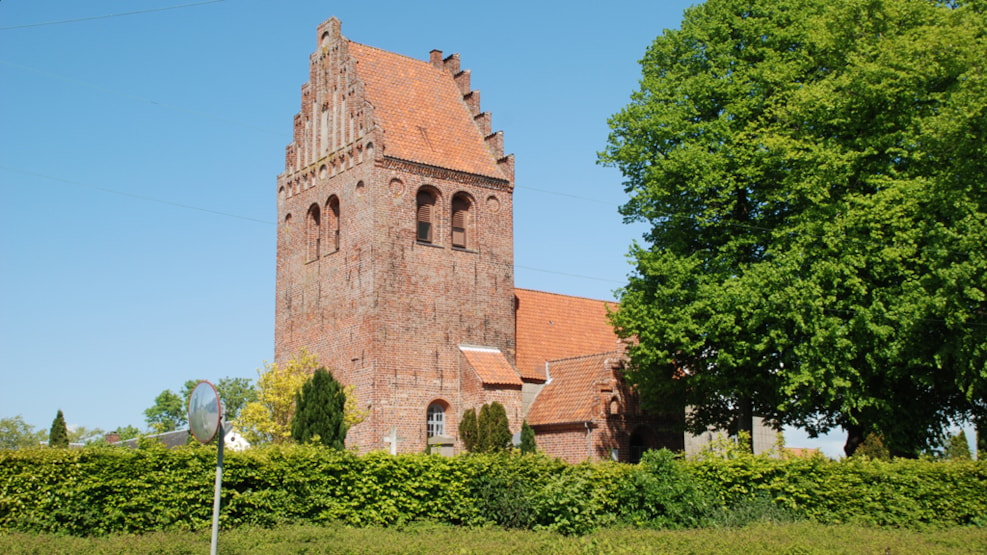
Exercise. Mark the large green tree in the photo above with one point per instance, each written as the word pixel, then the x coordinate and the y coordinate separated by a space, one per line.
pixel 17 434
pixel 168 413
pixel 235 393
pixel 813 173
pixel 170 410
pixel 320 411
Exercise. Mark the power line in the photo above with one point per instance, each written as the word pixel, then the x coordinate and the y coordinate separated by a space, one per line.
pixel 566 274
pixel 237 216
pixel 203 115
pixel 108 16
pixel 569 195
pixel 136 196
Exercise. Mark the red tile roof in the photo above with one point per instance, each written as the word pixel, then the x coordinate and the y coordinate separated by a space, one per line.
pixel 551 327
pixel 422 113
pixel 491 365
pixel 577 390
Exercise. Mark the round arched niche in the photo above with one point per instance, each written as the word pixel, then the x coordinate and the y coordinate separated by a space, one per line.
pixel 397 187
pixel 493 204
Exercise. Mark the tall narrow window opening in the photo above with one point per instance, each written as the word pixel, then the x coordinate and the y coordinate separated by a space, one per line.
pixel 312 232
pixel 426 216
pixel 461 221
pixel 332 225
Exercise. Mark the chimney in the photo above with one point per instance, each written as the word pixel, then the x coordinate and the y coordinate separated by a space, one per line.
pixel 435 58
pixel 111 438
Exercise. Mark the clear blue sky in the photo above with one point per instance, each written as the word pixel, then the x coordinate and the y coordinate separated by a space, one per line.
pixel 139 155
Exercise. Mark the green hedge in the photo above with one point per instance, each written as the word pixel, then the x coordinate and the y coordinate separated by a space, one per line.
pixel 102 490
pixel 855 491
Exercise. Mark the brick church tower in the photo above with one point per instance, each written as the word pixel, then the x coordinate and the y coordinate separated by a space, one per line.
pixel 395 260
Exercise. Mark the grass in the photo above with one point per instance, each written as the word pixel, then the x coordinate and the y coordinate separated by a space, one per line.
pixel 801 538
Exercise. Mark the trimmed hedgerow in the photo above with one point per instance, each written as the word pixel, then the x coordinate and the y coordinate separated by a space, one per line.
pixel 858 490
pixel 102 490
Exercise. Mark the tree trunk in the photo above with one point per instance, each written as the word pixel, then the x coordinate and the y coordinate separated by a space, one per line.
pixel 745 419
pixel 980 427
pixel 854 437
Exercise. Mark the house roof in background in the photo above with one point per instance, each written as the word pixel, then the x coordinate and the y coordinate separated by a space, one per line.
pixel 575 390
pixel 552 327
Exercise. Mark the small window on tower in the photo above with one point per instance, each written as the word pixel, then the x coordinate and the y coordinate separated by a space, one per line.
pixel 461 221
pixel 426 216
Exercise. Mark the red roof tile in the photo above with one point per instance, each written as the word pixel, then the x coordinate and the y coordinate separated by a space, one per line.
pixel 552 327
pixel 577 390
pixel 491 365
pixel 422 113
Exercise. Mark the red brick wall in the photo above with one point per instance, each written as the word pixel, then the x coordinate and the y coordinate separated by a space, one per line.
pixel 385 313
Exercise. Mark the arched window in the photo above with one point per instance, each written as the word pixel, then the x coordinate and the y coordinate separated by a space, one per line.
pixel 436 420
pixel 332 225
pixel 312 232
pixel 462 221
pixel 426 216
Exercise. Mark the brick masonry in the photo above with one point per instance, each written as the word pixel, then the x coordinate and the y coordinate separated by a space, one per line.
pixel 387 313
pixel 384 312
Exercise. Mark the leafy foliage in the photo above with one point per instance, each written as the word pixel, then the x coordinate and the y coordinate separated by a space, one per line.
pixel 319 411
pixel 102 490
pixel 168 413
pixel 469 430
pixel 527 439
pixel 235 393
pixel 494 429
pixel 873 448
pixel 127 432
pixel 352 413
pixel 58 437
pixel 813 174
pixel 17 434
pixel 957 447
pixel 489 432
pixel 268 419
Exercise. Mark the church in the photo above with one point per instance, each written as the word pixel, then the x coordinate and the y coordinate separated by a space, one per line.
pixel 395 267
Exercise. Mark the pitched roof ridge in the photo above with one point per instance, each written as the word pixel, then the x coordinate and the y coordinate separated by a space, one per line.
pixel 618 352
pixel 388 52
pixel 564 295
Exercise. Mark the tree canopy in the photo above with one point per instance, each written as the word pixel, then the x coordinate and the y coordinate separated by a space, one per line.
pixel 15 433
pixel 813 174
pixel 169 411
pixel 268 418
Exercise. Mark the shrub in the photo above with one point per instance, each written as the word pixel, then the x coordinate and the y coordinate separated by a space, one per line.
pixel 102 490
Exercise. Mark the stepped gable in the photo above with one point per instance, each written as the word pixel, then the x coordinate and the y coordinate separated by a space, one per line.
pixel 365 103
pixel 427 112
pixel 579 390
pixel 552 327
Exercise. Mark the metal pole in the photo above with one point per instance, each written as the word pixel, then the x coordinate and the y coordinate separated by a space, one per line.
pixel 216 492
